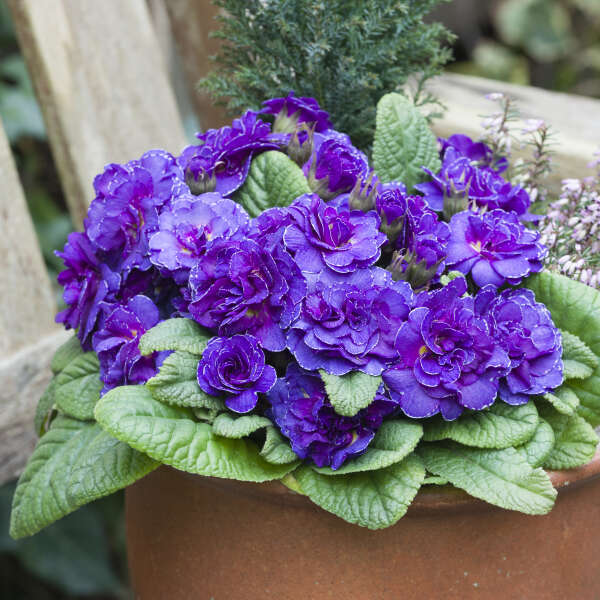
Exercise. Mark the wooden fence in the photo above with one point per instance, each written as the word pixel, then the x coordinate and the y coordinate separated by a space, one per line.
pixel 101 72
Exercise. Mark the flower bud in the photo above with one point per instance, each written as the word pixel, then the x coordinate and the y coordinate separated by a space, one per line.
pixel 301 144
pixel 456 201
pixel 406 267
pixel 363 194
pixel 285 123
pixel 199 180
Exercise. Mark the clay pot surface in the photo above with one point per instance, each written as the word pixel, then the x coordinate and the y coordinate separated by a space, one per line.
pixel 192 537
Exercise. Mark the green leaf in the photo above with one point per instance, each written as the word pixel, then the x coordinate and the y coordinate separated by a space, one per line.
pixel 575 440
pixel 70 350
pixel 575 308
pixel 435 480
pixel 564 400
pixel 170 435
pixel 74 463
pixel 403 142
pixel 176 383
pixel 501 477
pixel 78 387
pixel 351 392
pixel 577 350
pixel 393 442
pixel 500 426
pixel 573 369
pixel 175 334
pixel 226 425
pixel 373 499
pixel 277 449
pixel 44 408
pixel 536 450
pixel 273 180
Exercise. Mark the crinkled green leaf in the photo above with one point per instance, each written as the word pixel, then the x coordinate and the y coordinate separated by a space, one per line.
pixel 404 143
pixel 575 308
pixel 78 387
pixel 228 426
pixel 577 350
pixel 575 440
pixel 500 477
pixel 500 426
pixel 435 480
pixel 574 369
pixel 70 350
pixel 277 449
pixel 537 449
pixel 564 399
pixel 175 334
pixel 273 180
pixel 393 442
pixel 170 435
pixel 351 392
pixel 44 408
pixel 373 499
pixel 176 383
pixel 74 463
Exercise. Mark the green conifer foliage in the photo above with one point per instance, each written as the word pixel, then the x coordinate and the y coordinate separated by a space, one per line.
pixel 344 53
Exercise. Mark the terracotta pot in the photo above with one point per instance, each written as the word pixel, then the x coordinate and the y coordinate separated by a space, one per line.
pixel 192 537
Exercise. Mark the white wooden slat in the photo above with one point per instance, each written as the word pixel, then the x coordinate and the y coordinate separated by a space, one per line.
pixel 101 81
pixel 28 334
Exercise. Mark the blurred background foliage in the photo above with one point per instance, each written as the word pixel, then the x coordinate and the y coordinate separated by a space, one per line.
pixel 548 43
pixel 554 44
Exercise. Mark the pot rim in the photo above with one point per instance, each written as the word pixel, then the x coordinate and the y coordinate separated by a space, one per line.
pixel 429 500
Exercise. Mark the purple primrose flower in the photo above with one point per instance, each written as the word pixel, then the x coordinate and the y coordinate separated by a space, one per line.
pixel 186 227
pixel 301 409
pixel 225 154
pixel 241 287
pixel 495 247
pixel 293 110
pixel 525 329
pixel 321 237
pixel 116 343
pixel 235 368
pixel 459 183
pixel 125 210
pixel 335 166
pixel 350 325
pixel 448 357
pixel 417 234
pixel 87 282
pixel 478 153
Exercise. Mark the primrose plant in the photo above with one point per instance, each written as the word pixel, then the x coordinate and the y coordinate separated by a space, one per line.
pixel 273 305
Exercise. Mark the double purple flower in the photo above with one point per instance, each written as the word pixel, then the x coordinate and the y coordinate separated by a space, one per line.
pixel 117 343
pixel 241 287
pixel 479 154
pixel 525 329
pixel 323 237
pixel 235 368
pixel 294 110
pixel 494 247
pixel 459 183
pixel 186 227
pixel 222 161
pixel 301 409
pixel 350 325
pixel 449 359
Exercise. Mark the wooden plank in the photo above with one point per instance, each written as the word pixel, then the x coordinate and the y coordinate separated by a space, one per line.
pixel 28 334
pixel 575 120
pixel 191 22
pixel 102 84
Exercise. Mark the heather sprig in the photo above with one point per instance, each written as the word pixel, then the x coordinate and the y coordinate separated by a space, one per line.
pixel 571 230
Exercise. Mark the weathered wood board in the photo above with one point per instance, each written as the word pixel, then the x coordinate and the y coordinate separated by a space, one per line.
pixel 101 82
